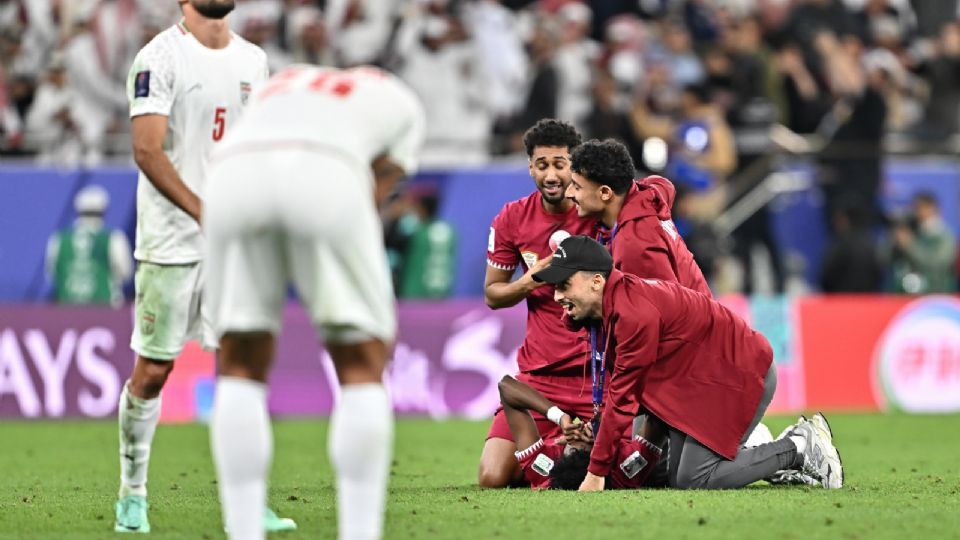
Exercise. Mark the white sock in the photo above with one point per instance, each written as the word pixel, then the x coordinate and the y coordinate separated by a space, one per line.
pixel 137 419
pixel 800 442
pixel 242 444
pixel 361 443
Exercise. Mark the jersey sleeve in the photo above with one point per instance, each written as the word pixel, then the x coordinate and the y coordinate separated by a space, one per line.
pixel 151 82
pixel 502 252
pixel 537 461
pixel 636 459
pixel 405 149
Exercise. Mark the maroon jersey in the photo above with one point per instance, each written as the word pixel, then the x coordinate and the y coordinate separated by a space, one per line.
pixel 520 235
pixel 635 459
pixel 684 357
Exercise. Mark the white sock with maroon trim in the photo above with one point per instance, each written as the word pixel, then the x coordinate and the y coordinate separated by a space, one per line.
pixel 360 445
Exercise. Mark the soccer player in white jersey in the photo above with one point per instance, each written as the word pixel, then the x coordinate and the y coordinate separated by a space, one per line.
pixel 187 88
pixel 293 196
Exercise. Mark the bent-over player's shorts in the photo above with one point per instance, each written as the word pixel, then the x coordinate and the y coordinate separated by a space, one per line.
pixel 273 217
pixel 571 391
pixel 168 310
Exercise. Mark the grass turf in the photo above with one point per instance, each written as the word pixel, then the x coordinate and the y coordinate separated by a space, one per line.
pixel 58 480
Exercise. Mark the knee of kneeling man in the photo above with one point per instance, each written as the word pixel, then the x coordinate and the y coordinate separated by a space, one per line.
pixel 687 481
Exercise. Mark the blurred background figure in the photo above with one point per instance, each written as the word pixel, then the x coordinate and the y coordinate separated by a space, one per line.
pixel 87 263
pixel 429 263
pixel 924 253
pixel 852 263
pixel 50 121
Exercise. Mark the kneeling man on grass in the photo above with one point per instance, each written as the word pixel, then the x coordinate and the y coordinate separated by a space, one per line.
pixel 690 362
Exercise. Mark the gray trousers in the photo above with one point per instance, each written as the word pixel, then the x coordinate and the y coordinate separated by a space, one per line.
pixel 692 465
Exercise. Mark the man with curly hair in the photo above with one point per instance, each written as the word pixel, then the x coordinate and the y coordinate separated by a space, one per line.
pixel 635 221
pixel 635 224
pixel 551 359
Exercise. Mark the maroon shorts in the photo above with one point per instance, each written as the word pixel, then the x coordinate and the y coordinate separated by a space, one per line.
pixel 570 391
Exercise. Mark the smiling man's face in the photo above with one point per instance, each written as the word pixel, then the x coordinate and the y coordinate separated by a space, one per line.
pixel 581 295
pixel 550 169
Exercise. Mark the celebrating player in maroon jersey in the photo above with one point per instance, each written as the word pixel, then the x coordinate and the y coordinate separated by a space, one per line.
pixel 693 364
pixel 551 359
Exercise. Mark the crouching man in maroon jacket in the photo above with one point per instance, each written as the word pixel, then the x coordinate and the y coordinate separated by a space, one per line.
pixel 690 362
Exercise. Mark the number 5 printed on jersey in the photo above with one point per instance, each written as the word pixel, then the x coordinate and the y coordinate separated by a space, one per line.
pixel 219 123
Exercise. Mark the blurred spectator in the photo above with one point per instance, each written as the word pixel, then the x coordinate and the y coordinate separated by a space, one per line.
pixel 503 63
pixel 87 263
pixel 932 16
pixel 440 63
pixel 574 61
pixel 257 22
pixel 938 62
pixel 623 54
pixel 676 52
pixel 98 104
pixel 850 163
pixel 430 258
pixel 924 251
pixel 610 117
pixel 359 30
pixel 50 123
pixel 308 36
pixel 543 87
pixel 852 263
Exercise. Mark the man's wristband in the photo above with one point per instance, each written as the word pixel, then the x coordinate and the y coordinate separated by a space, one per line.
pixel 554 414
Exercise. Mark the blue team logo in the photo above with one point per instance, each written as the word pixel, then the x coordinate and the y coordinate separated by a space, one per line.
pixel 141 85
pixel 917 359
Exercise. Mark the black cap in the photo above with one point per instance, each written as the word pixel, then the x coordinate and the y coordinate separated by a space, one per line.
pixel 575 254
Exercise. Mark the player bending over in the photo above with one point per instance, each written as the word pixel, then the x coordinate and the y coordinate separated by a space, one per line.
pixel 293 197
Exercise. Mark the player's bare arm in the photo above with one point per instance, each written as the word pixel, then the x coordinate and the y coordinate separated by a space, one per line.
pixel 387 176
pixel 517 398
pixel 148 133
pixel 499 292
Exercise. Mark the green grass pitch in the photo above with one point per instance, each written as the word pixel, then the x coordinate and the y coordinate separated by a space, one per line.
pixel 58 480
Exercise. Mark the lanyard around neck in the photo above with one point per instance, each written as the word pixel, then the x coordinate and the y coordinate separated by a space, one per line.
pixel 598 370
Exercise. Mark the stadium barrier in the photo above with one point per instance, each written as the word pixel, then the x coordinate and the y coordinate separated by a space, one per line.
pixel 36 201
pixel 849 353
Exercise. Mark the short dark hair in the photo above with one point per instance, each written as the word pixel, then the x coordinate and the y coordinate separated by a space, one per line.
pixel 570 470
pixel 606 163
pixel 551 132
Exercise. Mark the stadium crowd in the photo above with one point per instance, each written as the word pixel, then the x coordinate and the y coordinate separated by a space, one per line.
pixel 692 87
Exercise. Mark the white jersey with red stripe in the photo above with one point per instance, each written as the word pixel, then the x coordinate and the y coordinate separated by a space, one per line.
pixel 202 92
pixel 353 115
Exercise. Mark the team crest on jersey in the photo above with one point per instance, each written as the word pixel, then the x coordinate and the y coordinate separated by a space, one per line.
pixel 141 84
pixel 633 464
pixel 543 465
pixel 245 88
pixel 529 258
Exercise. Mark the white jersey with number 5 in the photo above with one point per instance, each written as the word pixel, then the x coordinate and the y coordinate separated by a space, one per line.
pixel 202 92
pixel 354 115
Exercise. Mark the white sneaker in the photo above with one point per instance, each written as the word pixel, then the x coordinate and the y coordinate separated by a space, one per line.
pixel 789 429
pixel 793 478
pixel 834 476
pixel 820 458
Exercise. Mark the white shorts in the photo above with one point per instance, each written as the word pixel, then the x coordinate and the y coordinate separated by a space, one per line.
pixel 280 216
pixel 168 310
